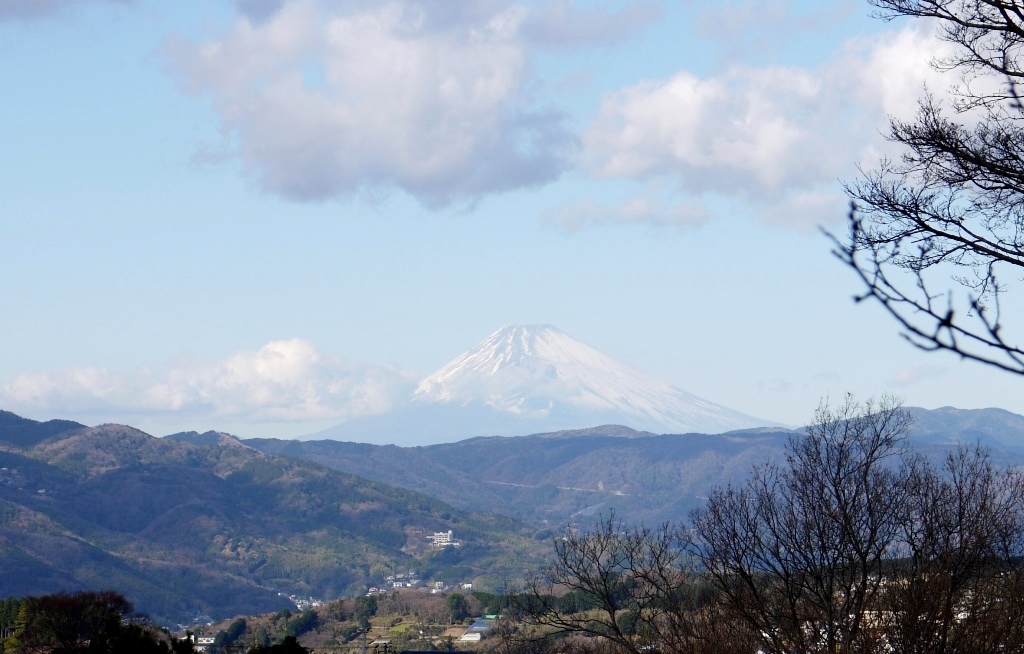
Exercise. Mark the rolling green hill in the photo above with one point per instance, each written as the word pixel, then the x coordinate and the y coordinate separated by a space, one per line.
pixel 221 528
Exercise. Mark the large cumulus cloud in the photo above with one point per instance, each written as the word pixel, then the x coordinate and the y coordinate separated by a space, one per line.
pixel 774 137
pixel 329 99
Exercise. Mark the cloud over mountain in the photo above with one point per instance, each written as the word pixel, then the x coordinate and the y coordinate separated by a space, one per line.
pixel 520 380
pixel 287 380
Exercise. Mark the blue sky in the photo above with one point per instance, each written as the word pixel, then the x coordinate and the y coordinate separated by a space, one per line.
pixel 269 216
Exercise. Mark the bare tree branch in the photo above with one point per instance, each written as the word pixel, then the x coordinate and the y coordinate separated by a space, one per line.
pixel 938 237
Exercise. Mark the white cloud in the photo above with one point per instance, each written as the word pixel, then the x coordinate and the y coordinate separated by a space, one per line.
pixel 325 100
pixel 775 137
pixel 747 120
pixel 286 380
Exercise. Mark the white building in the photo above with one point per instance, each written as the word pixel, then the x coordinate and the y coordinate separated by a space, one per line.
pixel 443 539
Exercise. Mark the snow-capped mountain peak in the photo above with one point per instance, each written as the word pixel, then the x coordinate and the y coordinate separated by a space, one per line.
pixel 541 374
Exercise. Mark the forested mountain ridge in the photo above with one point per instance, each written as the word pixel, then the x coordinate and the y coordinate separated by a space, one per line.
pixel 24 432
pixel 220 529
pixel 574 475
pixel 997 428
pixel 551 479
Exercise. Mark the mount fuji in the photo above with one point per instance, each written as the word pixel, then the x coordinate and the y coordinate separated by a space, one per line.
pixel 536 378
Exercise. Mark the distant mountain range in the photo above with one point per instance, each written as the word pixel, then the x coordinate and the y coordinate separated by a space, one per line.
pixel 207 523
pixel 201 523
pixel 572 476
pixel 537 378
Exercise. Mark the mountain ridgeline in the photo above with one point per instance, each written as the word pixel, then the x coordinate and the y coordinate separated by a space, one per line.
pixel 553 479
pixel 573 476
pixel 23 432
pixel 203 524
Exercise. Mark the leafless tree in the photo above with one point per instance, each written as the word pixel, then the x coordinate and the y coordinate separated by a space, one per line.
pixel 854 543
pixel 937 236
pixel 799 551
pixel 631 589
pixel 954 582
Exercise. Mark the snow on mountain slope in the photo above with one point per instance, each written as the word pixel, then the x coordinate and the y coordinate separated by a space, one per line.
pixel 538 371
pixel 534 379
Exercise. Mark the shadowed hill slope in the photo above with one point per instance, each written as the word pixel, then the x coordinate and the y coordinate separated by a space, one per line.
pixel 24 432
pixel 559 477
pixel 555 478
pixel 221 529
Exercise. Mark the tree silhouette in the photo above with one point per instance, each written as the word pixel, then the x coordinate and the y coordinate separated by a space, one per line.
pixel 853 543
pixel 86 621
pixel 937 236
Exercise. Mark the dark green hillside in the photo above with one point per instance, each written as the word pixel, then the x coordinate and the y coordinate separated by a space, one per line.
pixel 220 529
pixel 555 478
pixel 23 432
pixel 550 479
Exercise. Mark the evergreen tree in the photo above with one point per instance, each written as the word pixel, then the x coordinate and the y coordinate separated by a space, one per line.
pixel 456 607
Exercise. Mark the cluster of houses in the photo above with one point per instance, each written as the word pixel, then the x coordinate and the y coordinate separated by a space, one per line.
pixel 434 587
pixel 303 603
pixel 407 580
pixel 410 579
pixel 199 620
